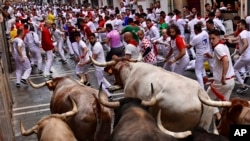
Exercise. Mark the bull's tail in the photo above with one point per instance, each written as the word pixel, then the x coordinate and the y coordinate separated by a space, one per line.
pixel 103 126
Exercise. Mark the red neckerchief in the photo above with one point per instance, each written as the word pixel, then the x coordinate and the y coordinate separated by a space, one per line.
pixel 133 42
pixel 150 26
pixel 161 21
pixel 220 42
pixel 177 17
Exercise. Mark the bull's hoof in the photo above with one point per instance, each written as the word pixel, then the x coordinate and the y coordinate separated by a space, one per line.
pixel 114 88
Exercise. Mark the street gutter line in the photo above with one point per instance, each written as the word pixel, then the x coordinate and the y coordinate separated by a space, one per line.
pixel 28 107
pixel 31 112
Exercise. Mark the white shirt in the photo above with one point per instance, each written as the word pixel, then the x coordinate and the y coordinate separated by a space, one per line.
pixel 57 34
pixel 16 43
pixel 132 50
pixel 219 25
pixel 11 12
pixel 191 27
pixel 181 23
pixel 244 35
pixel 153 33
pixel 91 26
pixel 220 51
pixel 82 45
pixel 201 43
pixel 98 49
pixel 32 39
pixel 164 45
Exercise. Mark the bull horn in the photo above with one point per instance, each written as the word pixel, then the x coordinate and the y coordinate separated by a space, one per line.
pixel 139 59
pixel 69 113
pixel 153 99
pixel 29 131
pixel 37 85
pixel 213 103
pixel 104 101
pixel 105 64
pixel 178 135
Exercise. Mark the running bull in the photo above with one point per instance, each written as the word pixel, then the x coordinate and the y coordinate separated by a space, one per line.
pixel 93 121
pixel 52 127
pixel 176 95
pixel 236 111
pixel 133 122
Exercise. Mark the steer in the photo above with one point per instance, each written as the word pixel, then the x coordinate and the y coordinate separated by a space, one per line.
pixel 133 122
pixel 52 127
pixel 177 96
pixel 196 134
pixel 236 111
pixel 93 121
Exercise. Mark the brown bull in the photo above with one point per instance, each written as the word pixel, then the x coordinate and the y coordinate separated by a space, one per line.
pixel 52 127
pixel 133 122
pixel 236 111
pixel 93 121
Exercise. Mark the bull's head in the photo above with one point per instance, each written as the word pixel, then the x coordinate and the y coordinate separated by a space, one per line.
pixel 236 111
pixel 116 66
pixel 178 135
pixel 36 128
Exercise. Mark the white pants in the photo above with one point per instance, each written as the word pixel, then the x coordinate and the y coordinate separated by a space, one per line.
pixel 48 63
pixel 9 24
pixel 36 57
pixel 100 78
pixel 239 64
pixel 82 69
pixel 75 49
pixel 180 66
pixel 69 45
pixel 60 49
pixel 226 90
pixel 200 70
pixel 23 69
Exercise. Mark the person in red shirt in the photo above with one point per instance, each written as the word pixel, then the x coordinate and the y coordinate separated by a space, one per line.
pixel 47 45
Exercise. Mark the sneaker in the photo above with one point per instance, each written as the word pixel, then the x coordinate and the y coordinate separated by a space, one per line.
pixel 241 90
pixel 24 81
pixel 48 76
pixel 110 98
pixel 86 83
pixel 50 71
pixel 18 85
pixel 72 56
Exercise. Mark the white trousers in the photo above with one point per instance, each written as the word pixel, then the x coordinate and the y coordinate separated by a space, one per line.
pixel 60 49
pixel 180 66
pixel 69 45
pixel 9 24
pixel 226 90
pixel 75 49
pixel 239 64
pixel 100 78
pixel 48 64
pixel 200 70
pixel 36 57
pixel 23 69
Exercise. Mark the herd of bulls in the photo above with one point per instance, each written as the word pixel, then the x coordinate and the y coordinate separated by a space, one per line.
pixel 158 106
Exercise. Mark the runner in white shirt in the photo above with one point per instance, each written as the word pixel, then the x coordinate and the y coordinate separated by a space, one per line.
pixel 201 44
pixel 82 67
pixel 23 67
pixel 32 41
pixel 98 55
pixel 163 44
pixel 58 36
pixel 244 51
pixel 223 71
